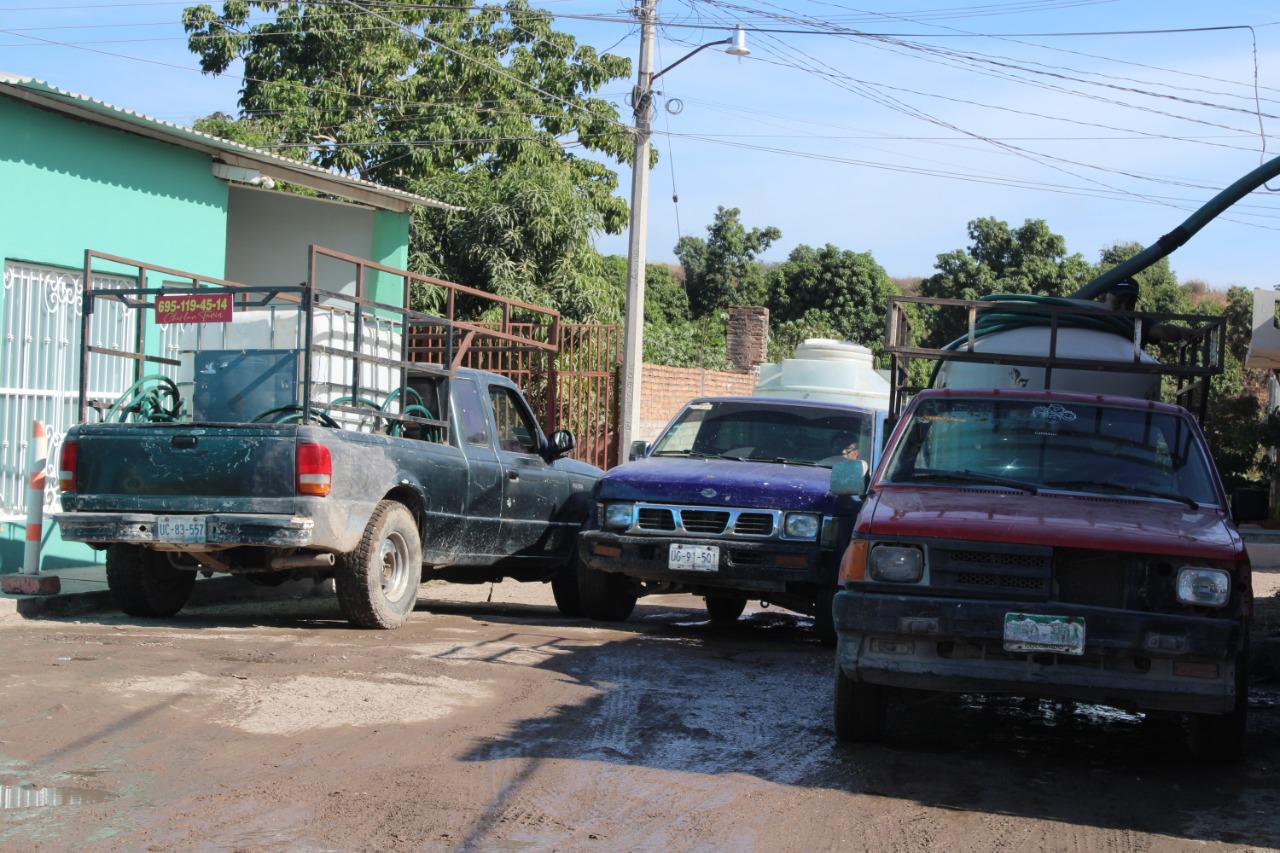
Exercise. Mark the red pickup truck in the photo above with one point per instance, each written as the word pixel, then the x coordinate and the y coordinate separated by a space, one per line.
pixel 1052 544
pixel 1043 543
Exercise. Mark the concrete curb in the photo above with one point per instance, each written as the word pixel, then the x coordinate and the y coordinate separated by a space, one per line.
pixel 221 589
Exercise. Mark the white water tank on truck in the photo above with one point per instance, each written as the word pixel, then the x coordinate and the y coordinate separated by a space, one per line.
pixel 1086 344
pixel 828 371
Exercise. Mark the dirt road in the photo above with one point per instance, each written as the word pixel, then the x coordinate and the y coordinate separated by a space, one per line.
pixel 502 726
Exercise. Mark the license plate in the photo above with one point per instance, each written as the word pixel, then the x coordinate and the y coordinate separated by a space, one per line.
pixel 694 558
pixel 1029 632
pixel 179 528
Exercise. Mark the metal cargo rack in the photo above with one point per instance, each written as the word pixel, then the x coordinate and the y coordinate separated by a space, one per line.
pixel 455 337
pixel 1192 355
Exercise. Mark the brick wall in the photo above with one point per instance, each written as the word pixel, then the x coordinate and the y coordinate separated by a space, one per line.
pixel 663 390
pixel 747 338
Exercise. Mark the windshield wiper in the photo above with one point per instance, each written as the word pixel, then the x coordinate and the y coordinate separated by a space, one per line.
pixel 1125 490
pixel 967 476
pixel 695 454
pixel 782 460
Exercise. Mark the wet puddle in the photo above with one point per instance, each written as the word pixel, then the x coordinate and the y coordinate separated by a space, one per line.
pixel 27 796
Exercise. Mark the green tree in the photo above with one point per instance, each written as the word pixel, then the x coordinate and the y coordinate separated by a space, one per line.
pixel 671 335
pixel 472 106
pixel 722 270
pixel 1000 259
pixel 829 292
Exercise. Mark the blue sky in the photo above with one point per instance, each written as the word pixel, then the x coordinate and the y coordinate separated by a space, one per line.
pixel 883 144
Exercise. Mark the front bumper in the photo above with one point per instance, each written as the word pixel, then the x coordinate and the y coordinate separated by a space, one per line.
pixel 757 566
pixel 1131 659
pixel 221 530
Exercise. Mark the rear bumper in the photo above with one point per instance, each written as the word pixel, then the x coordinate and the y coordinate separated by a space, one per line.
pixel 1131 659
pixel 744 565
pixel 221 529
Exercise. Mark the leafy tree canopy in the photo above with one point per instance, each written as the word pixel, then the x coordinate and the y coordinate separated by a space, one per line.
pixel 477 106
pixel 830 292
pixel 1000 259
pixel 721 270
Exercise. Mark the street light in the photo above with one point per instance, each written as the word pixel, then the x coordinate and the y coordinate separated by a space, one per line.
pixel 641 99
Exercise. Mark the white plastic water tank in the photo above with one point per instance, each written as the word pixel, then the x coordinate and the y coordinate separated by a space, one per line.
pixel 826 371
pixel 1072 343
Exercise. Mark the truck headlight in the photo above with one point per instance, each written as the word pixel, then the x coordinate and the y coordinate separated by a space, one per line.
pixel 618 516
pixel 896 563
pixel 801 525
pixel 1203 587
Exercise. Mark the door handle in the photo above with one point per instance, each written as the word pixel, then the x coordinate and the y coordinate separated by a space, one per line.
pixel 513 475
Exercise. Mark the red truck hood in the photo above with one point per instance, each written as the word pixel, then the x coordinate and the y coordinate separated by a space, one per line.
pixel 1064 521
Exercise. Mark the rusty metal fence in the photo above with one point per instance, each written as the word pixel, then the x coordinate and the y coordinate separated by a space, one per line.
pixel 574 388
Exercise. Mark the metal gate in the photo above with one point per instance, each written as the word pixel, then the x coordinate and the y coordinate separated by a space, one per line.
pixel 575 388
pixel 40 310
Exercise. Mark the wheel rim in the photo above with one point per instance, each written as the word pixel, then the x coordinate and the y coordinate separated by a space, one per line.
pixel 395 566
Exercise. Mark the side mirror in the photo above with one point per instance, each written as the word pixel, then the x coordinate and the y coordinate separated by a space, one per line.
pixel 1249 504
pixel 562 443
pixel 638 450
pixel 849 477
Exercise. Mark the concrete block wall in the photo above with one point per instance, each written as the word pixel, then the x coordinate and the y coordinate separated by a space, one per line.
pixel 664 390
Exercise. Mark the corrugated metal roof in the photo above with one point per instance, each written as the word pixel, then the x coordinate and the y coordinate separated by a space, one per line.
pixel 39 92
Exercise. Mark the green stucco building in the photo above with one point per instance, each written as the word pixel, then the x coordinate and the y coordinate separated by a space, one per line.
pixel 79 174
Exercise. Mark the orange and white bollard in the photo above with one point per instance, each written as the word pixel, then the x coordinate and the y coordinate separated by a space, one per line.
pixel 29 581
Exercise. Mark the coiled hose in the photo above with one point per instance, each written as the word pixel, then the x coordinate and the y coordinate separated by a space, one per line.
pixel 159 403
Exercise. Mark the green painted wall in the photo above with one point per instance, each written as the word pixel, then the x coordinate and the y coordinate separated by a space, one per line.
pixel 390 248
pixel 68 185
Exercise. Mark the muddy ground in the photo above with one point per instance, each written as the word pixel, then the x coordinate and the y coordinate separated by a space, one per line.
pixel 499 725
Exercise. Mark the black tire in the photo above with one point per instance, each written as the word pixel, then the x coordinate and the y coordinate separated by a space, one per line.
pixel 143 583
pixel 859 709
pixel 605 597
pixel 824 620
pixel 1221 737
pixel 725 609
pixel 377 583
pixel 564 587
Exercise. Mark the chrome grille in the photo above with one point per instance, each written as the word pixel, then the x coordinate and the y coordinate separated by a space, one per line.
pixel 704 521
pixel 707 521
pixel 754 524
pixel 655 518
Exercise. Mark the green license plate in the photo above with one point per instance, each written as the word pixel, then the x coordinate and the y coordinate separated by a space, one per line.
pixel 1030 632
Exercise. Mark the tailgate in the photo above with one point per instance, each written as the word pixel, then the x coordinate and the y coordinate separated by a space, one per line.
pixel 132 461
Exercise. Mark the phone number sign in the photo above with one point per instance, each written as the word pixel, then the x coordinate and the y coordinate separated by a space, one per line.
pixel 193 308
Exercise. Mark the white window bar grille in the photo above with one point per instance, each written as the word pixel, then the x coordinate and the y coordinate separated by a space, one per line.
pixel 40 309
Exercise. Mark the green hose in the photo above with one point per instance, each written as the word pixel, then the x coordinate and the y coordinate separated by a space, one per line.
pixel 293 414
pixel 1184 232
pixel 148 403
pixel 407 391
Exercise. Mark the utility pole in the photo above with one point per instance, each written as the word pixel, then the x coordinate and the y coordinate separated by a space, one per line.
pixel 633 336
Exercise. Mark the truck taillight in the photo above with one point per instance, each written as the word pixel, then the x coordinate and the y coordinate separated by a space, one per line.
pixel 67 466
pixel 315 469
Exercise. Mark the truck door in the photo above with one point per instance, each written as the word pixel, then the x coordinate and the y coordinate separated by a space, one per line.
pixel 531 488
pixel 482 510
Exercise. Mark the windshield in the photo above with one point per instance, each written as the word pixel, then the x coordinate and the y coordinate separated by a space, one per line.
pixel 803 435
pixel 1031 445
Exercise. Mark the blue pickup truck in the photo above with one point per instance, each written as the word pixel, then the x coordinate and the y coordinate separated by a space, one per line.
pixel 733 502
